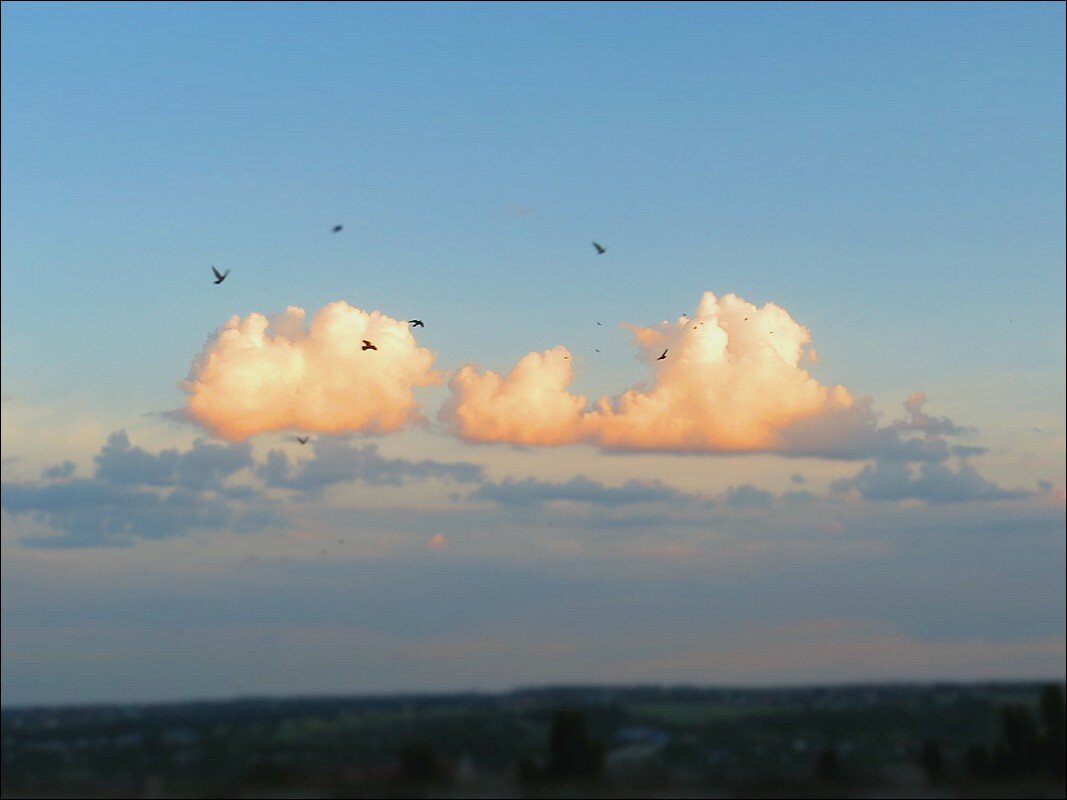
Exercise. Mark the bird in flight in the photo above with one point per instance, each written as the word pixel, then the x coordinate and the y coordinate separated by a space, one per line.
pixel 303 439
pixel 338 228
pixel 219 276
pixel 600 323
pixel 663 356
pixel 368 346
pixel 416 323
pixel 600 249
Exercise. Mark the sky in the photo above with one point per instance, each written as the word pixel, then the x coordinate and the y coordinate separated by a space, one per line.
pixel 841 225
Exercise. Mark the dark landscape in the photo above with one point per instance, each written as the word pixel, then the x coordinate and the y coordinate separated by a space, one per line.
pixel 936 740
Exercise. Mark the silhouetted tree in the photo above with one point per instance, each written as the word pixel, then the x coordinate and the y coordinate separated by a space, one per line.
pixel 1019 749
pixel 979 762
pixel 828 767
pixel 528 772
pixel 1025 748
pixel 572 755
pixel 419 764
pixel 932 761
pixel 1053 722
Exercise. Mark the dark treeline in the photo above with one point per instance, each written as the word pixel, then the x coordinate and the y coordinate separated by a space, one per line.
pixel 951 739
pixel 1029 746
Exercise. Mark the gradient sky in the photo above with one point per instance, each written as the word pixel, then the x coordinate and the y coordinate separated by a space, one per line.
pixel 891 175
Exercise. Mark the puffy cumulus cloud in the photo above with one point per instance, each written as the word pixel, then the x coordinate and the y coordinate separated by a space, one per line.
pixel 934 483
pixel 530 405
pixel 262 373
pixel 731 382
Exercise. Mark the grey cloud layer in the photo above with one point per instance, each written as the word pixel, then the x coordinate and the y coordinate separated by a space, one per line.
pixel 935 483
pixel 204 466
pixel 135 494
pixel 579 489
pixel 854 435
pixel 91 512
pixel 337 462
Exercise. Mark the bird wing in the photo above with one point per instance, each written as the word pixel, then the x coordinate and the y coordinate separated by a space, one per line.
pixel 217 273
pixel 366 342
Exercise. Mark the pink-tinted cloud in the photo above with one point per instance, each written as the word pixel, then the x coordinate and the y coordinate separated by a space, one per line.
pixel 261 373
pixel 530 405
pixel 731 382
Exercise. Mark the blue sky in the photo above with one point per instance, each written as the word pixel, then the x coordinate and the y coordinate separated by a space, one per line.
pixel 890 174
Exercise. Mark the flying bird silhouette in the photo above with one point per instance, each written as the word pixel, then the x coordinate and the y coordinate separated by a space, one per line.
pixel 368 346
pixel 600 250
pixel 663 356
pixel 338 228
pixel 600 323
pixel 303 439
pixel 416 323
pixel 219 276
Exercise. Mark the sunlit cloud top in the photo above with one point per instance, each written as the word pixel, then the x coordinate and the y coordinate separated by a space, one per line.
pixel 729 379
pixel 261 374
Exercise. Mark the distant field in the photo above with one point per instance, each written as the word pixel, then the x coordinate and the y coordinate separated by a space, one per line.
pixel 689 714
